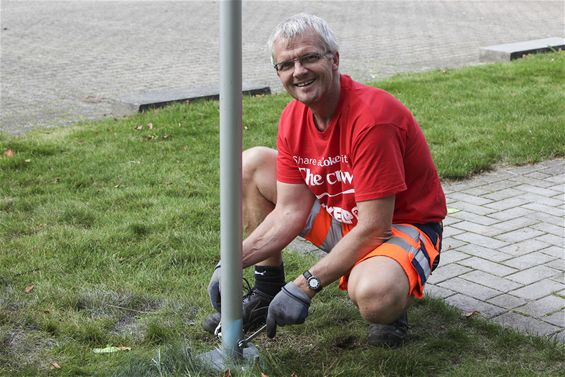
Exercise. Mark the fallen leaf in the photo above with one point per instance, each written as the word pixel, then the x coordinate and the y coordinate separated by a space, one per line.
pixel 111 349
pixel 150 126
pixel 264 375
pixel 227 373
pixel 474 313
pixel 29 288
pixel 9 152
pixel 294 375
pixel 139 127
pixel 28 161
pixel 54 365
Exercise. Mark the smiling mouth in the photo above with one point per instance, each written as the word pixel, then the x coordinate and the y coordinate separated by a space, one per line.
pixel 305 83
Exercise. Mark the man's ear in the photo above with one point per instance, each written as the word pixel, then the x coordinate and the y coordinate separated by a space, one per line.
pixel 335 60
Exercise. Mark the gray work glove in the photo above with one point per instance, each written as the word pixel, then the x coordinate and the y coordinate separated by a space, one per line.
pixel 289 307
pixel 214 288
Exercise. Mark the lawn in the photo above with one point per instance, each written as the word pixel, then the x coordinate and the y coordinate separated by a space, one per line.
pixel 109 231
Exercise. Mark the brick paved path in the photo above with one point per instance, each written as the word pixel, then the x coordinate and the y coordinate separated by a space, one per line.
pixel 66 61
pixel 503 251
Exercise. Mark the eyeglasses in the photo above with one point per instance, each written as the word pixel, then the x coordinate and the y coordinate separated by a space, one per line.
pixel 305 60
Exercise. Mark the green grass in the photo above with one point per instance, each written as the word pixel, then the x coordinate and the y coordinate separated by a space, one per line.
pixel 117 228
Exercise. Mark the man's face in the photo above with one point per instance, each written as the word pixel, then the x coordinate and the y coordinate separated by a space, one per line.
pixel 308 79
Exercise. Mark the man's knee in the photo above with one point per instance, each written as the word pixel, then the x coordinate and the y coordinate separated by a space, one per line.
pixel 381 304
pixel 380 289
pixel 257 159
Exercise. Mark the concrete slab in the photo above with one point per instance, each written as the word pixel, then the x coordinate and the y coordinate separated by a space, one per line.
pixel 526 324
pixel 138 102
pixel 511 51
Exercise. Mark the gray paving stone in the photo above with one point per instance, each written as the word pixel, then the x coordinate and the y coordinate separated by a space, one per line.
pixel 560 188
pixel 451 256
pixel 530 184
pixel 526 324
pixel 468 226
pixel 545 218
pixel 492 255
pixel 450 187
pixel 552 239
pixel 451 243
pixel 520 235
pixel 450 231
pixel 450 220
pixel 504 194
pixel 472 208
pixel 501 205
pixel 526 261
pixel 556 229
pixel 480 240
pixel 477 191
pixel 558 264
pixel 525 169
pixel 436 291
pixel 525 247
pixel 555 252
pixel 479 219
pixel 507 301
pixel 446 272
pixel 559 278
pixel 541 199
pixel 538 188
pixel 555 211
pixel 542 307
pixel 473 199
pixel 491 281
pixel 470 288
pixel 559 179
pixel 493 268
pixel 531 275
pixel 469 304
pixel 517 223
pixel 538 289
pixel 300 245
pixel 557 319
pixel 512 213
pixel 538 175
pixel 556 166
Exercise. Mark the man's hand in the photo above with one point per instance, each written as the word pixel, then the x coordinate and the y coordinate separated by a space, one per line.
pixel 214 288
pixel 289 307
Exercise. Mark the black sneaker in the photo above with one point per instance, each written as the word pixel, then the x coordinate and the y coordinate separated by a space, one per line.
pixel 392 335
pixel 254 312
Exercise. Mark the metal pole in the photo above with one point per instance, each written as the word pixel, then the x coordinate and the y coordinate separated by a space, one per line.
pixel 230 175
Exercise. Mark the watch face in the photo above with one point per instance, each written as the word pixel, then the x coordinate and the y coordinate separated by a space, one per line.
pixel 314 283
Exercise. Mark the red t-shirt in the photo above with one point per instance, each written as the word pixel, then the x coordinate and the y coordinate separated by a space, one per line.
pixel 373 148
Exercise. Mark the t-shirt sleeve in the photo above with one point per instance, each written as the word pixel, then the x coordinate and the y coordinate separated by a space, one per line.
pixel 377 157
pixel 287 170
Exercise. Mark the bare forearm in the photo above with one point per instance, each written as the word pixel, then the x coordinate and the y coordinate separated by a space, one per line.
pixel 343 256
pixel 270 237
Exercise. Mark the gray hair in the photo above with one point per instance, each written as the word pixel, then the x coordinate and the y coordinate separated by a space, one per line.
pixel 300 24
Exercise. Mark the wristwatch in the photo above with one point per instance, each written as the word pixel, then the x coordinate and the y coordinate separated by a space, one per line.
pixel 313 282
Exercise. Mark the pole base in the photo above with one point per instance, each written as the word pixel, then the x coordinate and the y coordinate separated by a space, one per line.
pixel 217 359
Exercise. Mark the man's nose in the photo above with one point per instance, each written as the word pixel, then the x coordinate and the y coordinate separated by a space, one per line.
pixel 299 68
